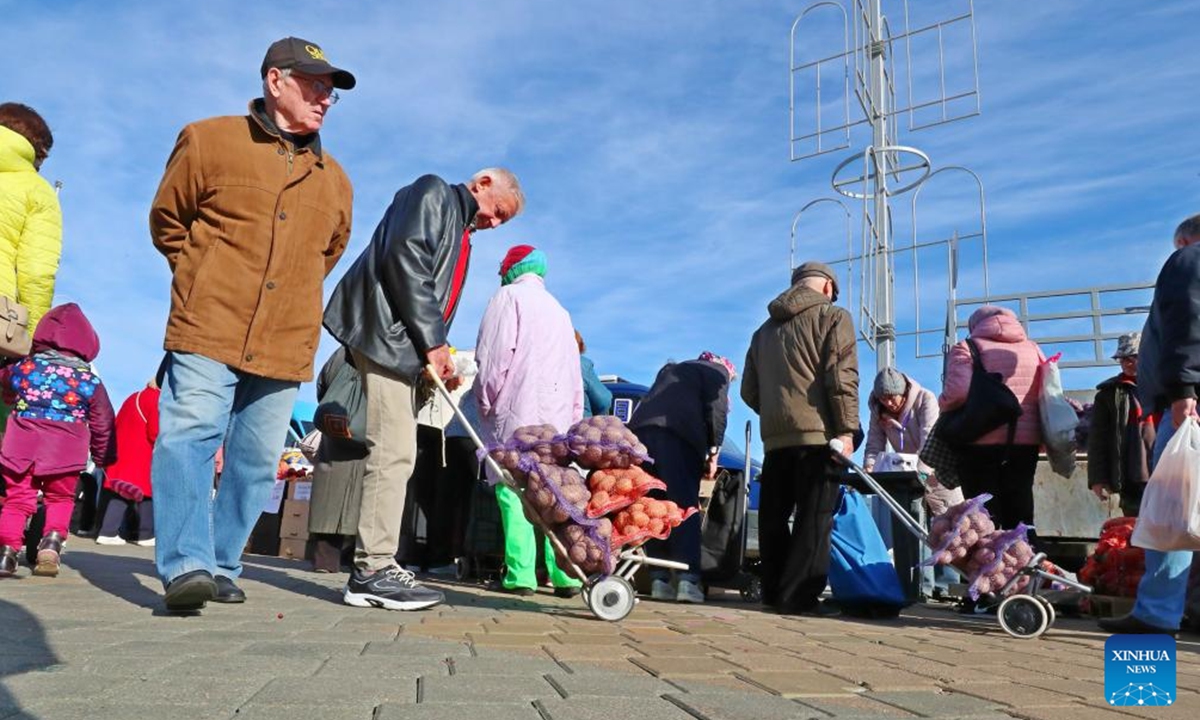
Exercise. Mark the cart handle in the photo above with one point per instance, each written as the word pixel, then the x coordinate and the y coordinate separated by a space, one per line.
pixel 899 511
pixel 501 473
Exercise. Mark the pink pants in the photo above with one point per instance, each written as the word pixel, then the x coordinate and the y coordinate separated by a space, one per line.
pixel 59 495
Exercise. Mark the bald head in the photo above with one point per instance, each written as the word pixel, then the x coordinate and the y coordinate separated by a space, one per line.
pixel 1188 232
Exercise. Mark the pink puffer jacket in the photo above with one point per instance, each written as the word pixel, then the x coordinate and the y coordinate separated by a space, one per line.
pixel 1004 349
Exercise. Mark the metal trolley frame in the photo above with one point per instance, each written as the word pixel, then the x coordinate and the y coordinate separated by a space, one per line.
pixel 609 597
pixel 1022 614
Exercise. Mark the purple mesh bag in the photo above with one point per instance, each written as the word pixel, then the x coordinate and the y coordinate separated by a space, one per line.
pixel 953 533
pixel 602 442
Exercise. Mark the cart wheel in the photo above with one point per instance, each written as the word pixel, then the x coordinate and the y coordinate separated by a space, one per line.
pixel 752 590
pixel 611 598
pixel 1023 616
pixel 462 568
pixel 1050 613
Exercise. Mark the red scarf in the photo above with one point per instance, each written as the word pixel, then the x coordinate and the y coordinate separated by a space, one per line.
pixel 460 276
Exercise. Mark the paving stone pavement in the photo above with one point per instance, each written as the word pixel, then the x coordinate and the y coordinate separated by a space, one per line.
pixel 94 643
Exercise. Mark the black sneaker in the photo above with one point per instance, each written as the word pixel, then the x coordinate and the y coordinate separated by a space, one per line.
pixel 190 592
pixel 392 588
pixel 8 561
pixel 49 553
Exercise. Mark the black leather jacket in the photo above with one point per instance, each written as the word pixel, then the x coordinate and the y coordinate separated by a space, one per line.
pixel 390 303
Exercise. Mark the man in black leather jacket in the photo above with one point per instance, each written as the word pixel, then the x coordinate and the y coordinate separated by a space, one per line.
pixel 393 309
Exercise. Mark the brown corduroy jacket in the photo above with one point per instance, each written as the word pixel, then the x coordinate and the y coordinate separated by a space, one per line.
pixel 251 225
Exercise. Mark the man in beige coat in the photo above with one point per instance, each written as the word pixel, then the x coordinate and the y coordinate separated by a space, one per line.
pixel 251 214
pixel 802 379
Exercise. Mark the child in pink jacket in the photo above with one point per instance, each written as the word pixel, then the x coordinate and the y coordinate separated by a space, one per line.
pixel 60 411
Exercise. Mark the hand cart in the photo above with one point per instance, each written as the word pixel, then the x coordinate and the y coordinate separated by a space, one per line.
pixel 609 597
pixel 1023 613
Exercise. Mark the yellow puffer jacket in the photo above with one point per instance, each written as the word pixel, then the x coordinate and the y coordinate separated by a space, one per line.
pixel 30 228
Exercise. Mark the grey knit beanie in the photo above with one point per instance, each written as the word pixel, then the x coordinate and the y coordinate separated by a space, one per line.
pixel 890 381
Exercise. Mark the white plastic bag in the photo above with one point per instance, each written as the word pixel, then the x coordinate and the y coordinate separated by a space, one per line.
pixel 1169 518
pixel 310 444
pixel 1059 420
pixel 896 462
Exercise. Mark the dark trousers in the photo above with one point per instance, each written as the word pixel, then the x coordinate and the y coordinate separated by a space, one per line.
pixel 331 552
pixel 119 512
pixel 452 500
pixel 1006 472
pixel 798 483
pixel 680 466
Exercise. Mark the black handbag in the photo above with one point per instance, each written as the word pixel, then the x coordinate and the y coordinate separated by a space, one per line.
pixel 941 456
pixel 990 404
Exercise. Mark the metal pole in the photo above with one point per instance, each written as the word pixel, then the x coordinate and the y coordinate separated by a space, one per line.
pixel 885 332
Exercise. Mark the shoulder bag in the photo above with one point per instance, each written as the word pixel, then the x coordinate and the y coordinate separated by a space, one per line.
pixel 990 404
pixel 15 341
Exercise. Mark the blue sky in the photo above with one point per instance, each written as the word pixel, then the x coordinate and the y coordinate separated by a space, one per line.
pixel 651 139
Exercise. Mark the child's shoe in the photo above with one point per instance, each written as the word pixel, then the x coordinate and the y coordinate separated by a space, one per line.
pixel 48 555
pixel 109 540
pixel 8 561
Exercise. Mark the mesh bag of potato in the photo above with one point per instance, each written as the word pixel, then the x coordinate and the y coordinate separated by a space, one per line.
pixel 558 493
pixel 996 559
pixel 530 444
pixel 647 518
pixel 618 488
pixel 954 533
pixel 602 442
pixel 589 546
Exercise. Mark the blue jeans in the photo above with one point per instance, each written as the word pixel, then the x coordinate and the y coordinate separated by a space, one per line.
pixel 1163 589
pixel 203 404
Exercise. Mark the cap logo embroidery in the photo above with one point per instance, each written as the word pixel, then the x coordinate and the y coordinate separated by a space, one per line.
pixel 315 52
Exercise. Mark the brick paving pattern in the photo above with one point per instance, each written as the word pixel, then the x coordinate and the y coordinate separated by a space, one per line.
pixel 94 643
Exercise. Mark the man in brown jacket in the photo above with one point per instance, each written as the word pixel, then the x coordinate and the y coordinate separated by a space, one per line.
pixel 802 379
pixel 251 215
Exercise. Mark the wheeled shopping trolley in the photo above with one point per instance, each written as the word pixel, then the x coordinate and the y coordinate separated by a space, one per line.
pixel 1023 613
pixel 610 597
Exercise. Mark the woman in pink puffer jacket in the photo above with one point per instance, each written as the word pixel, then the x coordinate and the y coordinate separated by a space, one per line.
pixel 990 464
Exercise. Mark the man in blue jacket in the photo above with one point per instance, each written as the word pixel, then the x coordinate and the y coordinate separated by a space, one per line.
pixel 1168 377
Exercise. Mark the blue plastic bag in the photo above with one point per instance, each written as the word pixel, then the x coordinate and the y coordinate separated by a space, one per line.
pixel 861 574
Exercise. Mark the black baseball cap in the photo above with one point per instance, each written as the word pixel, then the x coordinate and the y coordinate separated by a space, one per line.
pixel 307 57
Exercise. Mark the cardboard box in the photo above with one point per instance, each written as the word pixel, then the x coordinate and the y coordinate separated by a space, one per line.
pixel 293 548
pixel 293 524
pixel 299 490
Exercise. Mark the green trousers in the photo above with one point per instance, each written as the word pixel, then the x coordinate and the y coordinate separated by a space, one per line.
pixel 520 547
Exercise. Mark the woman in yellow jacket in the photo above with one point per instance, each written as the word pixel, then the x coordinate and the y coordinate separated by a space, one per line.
pixel 30 217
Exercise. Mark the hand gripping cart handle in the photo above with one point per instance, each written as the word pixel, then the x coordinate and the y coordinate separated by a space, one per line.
pixel 609 597
pixel 1025 614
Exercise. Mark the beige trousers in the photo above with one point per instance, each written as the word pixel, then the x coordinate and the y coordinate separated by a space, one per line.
pixel 391 436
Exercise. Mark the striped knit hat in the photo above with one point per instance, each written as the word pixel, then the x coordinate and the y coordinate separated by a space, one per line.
pixel 519 260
